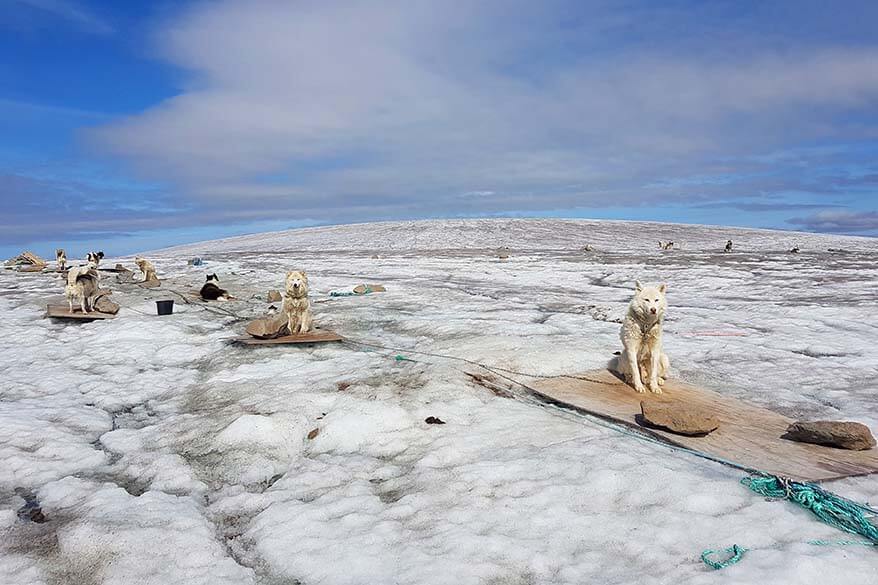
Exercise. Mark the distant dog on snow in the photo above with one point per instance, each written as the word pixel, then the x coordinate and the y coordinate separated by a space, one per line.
pixel 643 360
pixel 297 307
pixel 211 291
pixel 82 285
pixel 61 258
pixel 95 258
pixel 146 268
pixel 729 246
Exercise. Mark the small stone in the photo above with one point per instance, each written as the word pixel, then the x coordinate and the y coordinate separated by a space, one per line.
pixel 274 296
pixel 313 434
pixel 432 420
pixel 268 328
pixel 104 305
pixel 679 418
pixel 840 434
pixel 342 386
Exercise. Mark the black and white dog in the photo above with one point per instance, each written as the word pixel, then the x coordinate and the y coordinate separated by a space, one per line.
pixel 211 290
pixel 95 258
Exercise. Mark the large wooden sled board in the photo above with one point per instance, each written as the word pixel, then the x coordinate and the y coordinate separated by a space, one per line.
pixel 748 435
pixel 318 336
pixel 63 312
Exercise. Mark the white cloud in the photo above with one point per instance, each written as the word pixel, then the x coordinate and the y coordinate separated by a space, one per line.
pixel 344 106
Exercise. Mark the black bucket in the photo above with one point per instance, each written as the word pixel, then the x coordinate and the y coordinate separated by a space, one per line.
pixel 164 307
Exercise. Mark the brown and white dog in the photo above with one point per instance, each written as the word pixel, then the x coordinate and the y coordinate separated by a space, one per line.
pixel 146 268
pixel 297 307
pixel 82 285
pixel 61 258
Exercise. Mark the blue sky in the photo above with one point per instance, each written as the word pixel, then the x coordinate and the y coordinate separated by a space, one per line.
pixel 134 125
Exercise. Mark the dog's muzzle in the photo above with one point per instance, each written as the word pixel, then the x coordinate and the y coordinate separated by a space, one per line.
pixel 653 311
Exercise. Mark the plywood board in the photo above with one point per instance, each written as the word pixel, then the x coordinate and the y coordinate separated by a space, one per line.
pixel 63 312
pixel 318 336
pixel 748 435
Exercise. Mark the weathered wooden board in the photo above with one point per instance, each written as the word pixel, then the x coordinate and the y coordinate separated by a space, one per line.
pixel 318 336
pixel 748 435
pixel 63 312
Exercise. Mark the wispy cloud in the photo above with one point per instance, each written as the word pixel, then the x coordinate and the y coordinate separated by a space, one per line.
pixel 839 221
pixel 10 108
pixel 755 206
pixel 73 12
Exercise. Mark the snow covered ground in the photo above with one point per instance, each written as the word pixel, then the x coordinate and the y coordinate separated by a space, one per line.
pixel 160 453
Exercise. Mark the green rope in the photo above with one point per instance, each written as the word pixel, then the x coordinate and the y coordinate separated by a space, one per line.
pixel 830 508
pixel 735 551
pixel 841 543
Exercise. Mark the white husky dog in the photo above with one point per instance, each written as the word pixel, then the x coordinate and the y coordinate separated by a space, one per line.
pixel 82 284
pixel 297 307
pixel 643 359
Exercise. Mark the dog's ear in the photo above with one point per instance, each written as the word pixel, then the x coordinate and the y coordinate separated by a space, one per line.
pixel 663 288
pixel 637 286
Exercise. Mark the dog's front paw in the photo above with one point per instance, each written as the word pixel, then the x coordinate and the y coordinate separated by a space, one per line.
pixel 661 381
pixel 640 388
pixel 654 387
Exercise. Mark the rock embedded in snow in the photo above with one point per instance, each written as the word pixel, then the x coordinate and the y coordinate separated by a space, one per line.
pixel 840 434
pixel 274 296
pixel 679 418
pixel 105 305
pixel 267 328
pixel 433 420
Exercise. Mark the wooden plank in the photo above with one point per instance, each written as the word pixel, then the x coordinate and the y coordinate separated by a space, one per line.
pixel 318 336
pixel 748 435
pixel 63 312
